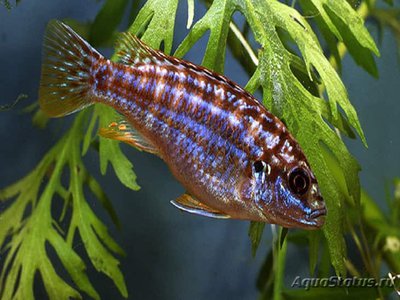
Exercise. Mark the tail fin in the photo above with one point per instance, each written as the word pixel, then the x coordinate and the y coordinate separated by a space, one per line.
pixel 66 71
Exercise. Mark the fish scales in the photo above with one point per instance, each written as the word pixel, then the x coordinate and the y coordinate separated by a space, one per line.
pixel 233 156
pixel 201 126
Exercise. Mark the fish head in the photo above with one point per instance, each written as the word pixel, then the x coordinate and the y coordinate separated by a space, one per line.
pixel 286 191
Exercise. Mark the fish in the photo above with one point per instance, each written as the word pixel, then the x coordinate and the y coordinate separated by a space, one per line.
pixel 234 158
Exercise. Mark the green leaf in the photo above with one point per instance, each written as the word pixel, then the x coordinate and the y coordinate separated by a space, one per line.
pixel 279 265
pixel 314 239
pixel 110 151
pixel 329 37
pixel 92 232
pixel 28 227
pixel 348 26
pixel 324 267
pixel 286 97
pixel 282 236
pixel 155 23
pixel 216 20
pixel 256 230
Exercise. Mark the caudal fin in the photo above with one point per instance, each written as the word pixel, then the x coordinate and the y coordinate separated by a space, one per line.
pixel 66 71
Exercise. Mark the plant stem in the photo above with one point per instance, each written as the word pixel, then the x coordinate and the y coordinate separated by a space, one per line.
pixel 244 42
pixel 279 265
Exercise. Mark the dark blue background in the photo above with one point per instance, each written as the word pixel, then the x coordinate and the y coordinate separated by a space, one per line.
pixel 172 255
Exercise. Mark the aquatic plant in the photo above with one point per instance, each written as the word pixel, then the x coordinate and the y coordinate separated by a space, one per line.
pixel 300 83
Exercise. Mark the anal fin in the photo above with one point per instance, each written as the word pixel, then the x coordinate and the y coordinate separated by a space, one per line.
pixel 190 204
pixel 124 132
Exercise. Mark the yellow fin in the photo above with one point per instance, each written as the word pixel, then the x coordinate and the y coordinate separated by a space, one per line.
pixel 190 204
pixel 124 132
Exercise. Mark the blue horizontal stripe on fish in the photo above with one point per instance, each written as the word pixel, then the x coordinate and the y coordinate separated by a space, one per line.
pixel 190 104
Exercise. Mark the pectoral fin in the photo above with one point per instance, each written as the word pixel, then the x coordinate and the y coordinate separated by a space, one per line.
pixel 189 204
pixel 124 132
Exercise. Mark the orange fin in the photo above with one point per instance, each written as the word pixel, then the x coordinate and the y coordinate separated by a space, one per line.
pixel 190 204
pixel 124 132
pixel 131 51
pixel 67 63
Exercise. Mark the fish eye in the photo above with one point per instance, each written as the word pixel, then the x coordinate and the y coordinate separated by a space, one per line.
pixel 259 166
pixel 299 181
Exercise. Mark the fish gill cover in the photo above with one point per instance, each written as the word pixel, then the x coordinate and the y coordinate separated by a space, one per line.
pixel 300 84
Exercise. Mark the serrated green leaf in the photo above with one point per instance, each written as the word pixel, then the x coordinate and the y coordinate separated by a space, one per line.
pixel 157 20
pixel 348 26
pixel 73 264
pixel 343 10
pixel 110 151
pixel 361 55
pixel 93 233
pixel 28 234
pixel 302 112
pixel 329 37
pixel 216 20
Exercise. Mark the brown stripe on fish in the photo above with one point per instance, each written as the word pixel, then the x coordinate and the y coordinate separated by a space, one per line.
pixel 177 78
pixel 185 100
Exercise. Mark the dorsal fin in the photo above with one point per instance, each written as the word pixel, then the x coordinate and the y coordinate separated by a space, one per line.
pixel 131 51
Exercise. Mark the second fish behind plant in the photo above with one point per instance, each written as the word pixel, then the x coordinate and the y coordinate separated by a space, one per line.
pixel 235 159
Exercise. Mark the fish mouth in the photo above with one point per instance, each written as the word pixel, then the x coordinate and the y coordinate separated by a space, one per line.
pixel 315 214
pixel 312 221
pixel 317 217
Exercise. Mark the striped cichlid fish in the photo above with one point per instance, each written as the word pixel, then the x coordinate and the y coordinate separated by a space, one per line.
pixel 235 159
